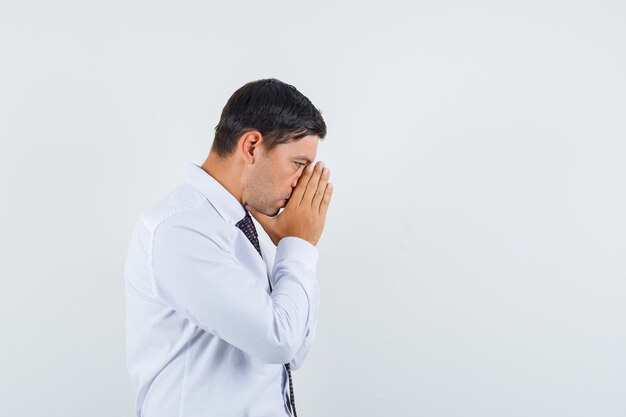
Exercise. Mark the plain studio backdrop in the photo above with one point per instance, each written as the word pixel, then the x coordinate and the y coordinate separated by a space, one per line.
pixel 473 257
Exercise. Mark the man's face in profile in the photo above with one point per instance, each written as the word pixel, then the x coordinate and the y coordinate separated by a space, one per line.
pixel 275 174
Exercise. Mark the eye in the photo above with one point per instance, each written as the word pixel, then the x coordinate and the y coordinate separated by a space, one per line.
pixel 299 164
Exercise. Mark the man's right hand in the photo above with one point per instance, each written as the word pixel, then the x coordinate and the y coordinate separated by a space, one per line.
pixel 305 213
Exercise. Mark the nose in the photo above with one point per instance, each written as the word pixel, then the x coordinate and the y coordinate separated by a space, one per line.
pixel 295 182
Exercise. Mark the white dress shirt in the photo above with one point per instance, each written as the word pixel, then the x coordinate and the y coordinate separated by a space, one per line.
pixel 205 336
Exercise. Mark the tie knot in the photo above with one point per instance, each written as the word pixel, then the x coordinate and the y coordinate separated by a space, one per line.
pixel 247 227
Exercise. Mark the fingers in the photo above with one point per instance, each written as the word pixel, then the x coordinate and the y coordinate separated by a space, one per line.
pixel 298 192
pixel 321 189
pixel 311 187
pixel 328 193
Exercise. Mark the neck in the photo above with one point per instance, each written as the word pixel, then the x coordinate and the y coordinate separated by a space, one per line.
pixel 227 172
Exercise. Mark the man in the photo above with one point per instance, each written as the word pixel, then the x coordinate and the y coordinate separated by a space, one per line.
pixel 214 323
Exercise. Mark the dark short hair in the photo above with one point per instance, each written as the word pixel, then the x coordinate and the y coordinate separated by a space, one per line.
pixel 277 110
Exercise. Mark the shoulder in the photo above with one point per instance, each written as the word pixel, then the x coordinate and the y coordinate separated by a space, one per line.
pixel 186 212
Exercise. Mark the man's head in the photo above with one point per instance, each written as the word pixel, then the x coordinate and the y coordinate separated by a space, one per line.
pixel 270 132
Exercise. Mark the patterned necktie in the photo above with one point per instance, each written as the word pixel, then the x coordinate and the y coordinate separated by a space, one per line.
pixel 248 229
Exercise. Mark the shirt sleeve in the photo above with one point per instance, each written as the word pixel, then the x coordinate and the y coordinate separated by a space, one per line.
pixel 303 351
pixel 290 245
pixel 208 285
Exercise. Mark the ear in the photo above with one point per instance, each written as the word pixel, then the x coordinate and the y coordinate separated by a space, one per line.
pixel 250 146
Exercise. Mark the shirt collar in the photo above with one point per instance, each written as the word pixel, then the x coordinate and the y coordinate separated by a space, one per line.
pixel 220 198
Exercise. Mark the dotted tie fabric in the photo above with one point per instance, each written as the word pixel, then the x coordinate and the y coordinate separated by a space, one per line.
pixel 247 227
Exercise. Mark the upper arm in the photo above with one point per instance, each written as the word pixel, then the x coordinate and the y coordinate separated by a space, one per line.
pixel 205 283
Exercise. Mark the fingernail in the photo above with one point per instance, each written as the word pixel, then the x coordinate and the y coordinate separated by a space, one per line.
pixel 325 172
pixel 310 167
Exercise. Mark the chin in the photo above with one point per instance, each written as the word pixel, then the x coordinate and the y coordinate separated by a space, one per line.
pixel 271 211
pixel 281 206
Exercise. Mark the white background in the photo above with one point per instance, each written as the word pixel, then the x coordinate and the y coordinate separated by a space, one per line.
pixel 473 259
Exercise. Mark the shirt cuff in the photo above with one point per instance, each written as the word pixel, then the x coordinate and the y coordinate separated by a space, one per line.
pixel 296 249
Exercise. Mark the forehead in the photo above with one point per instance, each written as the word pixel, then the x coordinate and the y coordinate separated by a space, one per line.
pixel 305 148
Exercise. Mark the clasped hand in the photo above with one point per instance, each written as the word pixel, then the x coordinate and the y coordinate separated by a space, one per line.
pixel 305 213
